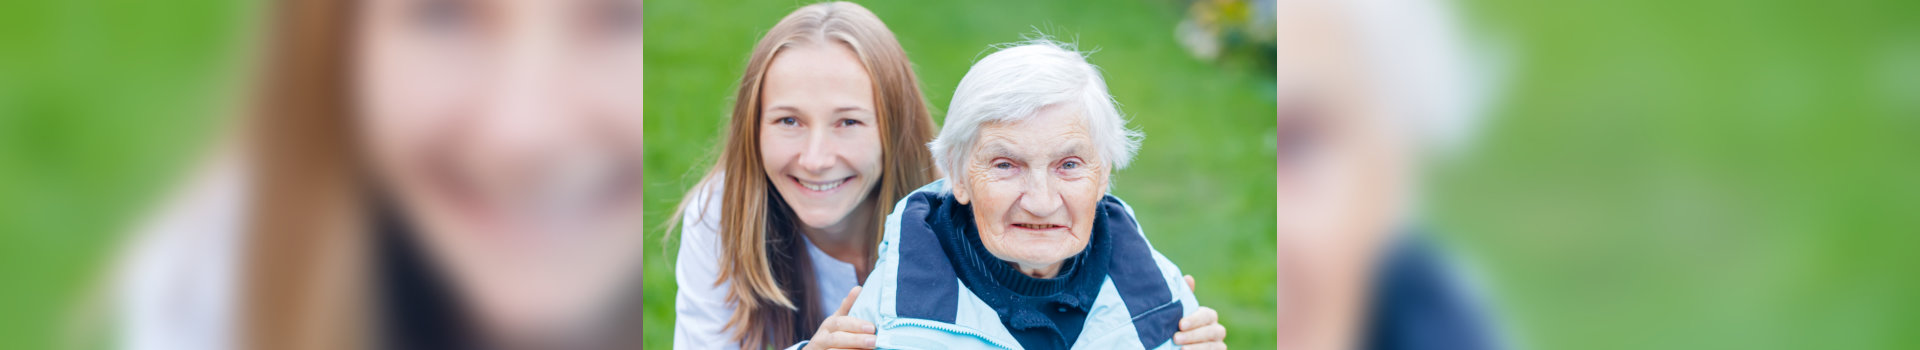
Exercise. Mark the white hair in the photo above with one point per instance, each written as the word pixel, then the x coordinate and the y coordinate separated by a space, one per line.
pixel 1437 83
pixel 1017 82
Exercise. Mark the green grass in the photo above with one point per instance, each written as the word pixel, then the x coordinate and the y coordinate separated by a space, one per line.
pixel 101 105
pixel 1202 184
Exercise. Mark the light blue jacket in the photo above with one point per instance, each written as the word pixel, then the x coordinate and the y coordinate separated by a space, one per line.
pixel 916 301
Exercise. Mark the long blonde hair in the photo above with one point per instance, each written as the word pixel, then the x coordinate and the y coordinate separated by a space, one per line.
pixel 304 269
pixel 770 273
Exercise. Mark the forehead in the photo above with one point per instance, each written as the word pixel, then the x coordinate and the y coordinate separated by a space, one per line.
pixel 1049 130
pixel 808 75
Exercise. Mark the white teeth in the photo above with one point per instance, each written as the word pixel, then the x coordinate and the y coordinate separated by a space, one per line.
pixel 828 186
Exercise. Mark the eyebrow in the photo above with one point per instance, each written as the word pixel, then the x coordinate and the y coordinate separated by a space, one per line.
pixel 796 110
pixel 1071 148
pixel 783 108
pixel 997 150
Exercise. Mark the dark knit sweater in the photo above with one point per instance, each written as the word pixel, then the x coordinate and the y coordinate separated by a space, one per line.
pixel 1040 313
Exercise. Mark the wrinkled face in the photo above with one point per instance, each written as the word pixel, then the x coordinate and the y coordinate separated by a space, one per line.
pixel 1342 163
pixel 509 133
pixel 819 139
pixel 1034 185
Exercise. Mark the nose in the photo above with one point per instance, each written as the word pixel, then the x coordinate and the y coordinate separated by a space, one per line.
pixel 818 157
pixel 1040 199
pixel 524 117
pixel 526 95
pixel 521 115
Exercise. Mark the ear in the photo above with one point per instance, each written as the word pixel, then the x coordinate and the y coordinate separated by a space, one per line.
pixel 961 192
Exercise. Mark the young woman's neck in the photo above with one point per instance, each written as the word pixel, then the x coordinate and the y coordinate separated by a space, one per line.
pixel 847 240
pixel 583 332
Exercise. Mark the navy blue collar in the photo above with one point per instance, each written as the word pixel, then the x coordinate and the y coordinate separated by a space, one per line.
pixel 998 283
pixel 931 269
pixel 1041 313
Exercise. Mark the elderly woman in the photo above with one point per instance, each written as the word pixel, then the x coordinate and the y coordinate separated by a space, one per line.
pixel 1020 247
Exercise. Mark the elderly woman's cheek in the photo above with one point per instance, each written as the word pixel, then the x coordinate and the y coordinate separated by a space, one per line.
pixel 1086 198
pixel 976 181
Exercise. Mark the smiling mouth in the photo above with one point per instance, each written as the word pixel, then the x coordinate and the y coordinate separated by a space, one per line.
pixel 1038 227
pixel 821 186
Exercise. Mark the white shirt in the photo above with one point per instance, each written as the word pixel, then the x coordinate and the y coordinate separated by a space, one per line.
pixel 701 309
pixel 175 285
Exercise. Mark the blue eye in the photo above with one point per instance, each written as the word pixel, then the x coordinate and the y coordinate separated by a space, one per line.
pixel 617 16
pixel 786 121
pixel 1003 165
pixel 442 15
pixel 1070 165
pixel 849 122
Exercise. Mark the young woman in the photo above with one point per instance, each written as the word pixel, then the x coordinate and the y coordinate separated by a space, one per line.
pixel 413 174
pixel 829 127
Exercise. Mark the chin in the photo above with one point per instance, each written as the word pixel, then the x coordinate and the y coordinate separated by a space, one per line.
pixel 819 220
pixel 1039 256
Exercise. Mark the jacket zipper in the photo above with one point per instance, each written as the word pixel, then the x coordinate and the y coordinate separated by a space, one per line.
pixel 897 323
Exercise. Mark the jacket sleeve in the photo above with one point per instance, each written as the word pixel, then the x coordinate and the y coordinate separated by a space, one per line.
pixel 879 283
pixel 1178 285
pixel 872 304
pixel 1176 281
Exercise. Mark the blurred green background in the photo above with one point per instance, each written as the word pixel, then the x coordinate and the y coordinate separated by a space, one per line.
pixel 1202 183
pixel 102 104
pixel 1698 175
pixel 1661 174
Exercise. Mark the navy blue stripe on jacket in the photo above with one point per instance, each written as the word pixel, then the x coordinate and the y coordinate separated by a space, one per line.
pixel 925 271
pixel 1138 279
pixel 1419 303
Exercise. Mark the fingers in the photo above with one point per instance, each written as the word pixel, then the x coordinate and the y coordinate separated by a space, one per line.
pixel 844 340
pixel 1205 346
pixel 1213 333
pixel 843 332
pixel 1202 317
pixel 1201 330
pixel 1189 279
pixel 846 304
pixel 847 324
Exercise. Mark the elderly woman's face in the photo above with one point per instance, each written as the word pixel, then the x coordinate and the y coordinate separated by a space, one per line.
pixel 1034 185
pixel 1342 174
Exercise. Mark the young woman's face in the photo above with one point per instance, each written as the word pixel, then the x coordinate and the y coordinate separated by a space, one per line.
pixel 509 133
pixel 819 137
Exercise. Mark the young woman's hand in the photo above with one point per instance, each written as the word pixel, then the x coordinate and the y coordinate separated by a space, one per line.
pixel 1202 329
pixel 844 332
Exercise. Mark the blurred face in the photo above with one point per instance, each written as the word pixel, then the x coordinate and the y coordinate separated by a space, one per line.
pixel 1342 179
pixel 819 139
pixel 1342 163
pixel 1034 185
pixel 509 132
